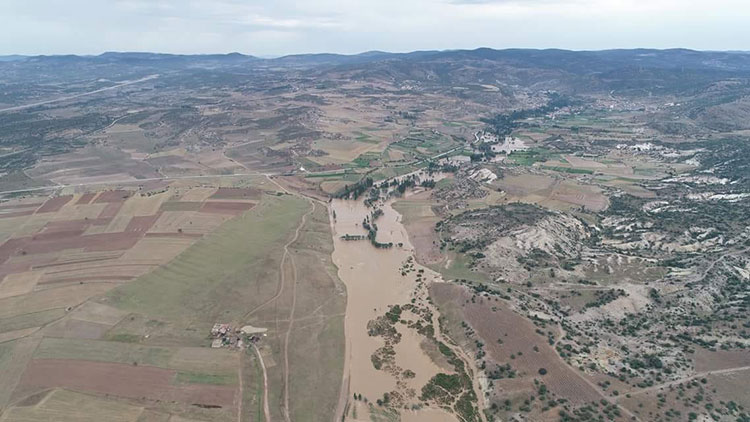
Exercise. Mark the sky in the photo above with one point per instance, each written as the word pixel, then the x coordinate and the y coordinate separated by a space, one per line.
pixel 280 27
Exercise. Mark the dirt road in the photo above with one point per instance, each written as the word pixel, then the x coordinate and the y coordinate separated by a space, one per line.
pixel 292 310
pixel 689 378
pixel 266 407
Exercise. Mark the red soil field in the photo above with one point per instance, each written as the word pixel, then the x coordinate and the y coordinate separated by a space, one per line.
pixel 66 240
pixel 124 380
pixel 86 198
pixel 232 208
pixel 54 204
pixel 26 265
pixel 58 234
pixel 110 210
pixel 236 193
pixel 109 241
pixel 178 235
pixel 87 278
pixel 112 196
pixel 61 226
pixel 76 262
pixel 142 224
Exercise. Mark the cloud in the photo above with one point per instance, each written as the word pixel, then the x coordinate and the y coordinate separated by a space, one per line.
pixel 470 2
pixel 271 27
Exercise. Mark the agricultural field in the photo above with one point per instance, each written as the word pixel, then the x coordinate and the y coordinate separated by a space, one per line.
pixel 454 236
pixel 95 285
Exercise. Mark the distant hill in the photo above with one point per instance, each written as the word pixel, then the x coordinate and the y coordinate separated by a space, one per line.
pixel 572 61
pixel 12 58
pixel 636 71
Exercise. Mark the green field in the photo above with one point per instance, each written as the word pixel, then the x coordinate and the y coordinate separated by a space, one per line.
pixel 425 143
pixel 202 378
pixel 365 159
pixel 69 406
pixel 363 137
pixel 220 277
pixel 531 156
pixel 568 170
pixel 389 172
pixel 223 278
pixel 34 319
pixel 316 347
pixel 459 269
pixel 102 351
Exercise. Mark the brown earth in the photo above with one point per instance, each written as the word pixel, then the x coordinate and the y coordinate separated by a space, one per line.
pixel 518 337
pixel 142 224
pixel 706 360
pixel 112 196
pixel 54 204
pixel 86 198
pixel 177 234
pixel 236 193
pixel 231 208
pixel 16 214
pixel 110 210
pixel 122 380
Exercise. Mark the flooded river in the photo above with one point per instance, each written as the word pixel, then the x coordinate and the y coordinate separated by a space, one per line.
pixel 374 280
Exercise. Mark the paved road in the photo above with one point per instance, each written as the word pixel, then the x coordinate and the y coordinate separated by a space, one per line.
pixel 71 97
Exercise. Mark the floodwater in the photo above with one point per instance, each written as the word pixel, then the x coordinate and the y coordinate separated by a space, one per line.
pixel 427 415
pixel 373 281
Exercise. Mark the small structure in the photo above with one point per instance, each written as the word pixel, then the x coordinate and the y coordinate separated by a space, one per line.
pixel 225 336
pixel 220 330
pixel 250 330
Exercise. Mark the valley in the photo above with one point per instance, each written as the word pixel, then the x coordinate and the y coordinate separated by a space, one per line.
pixel 470 235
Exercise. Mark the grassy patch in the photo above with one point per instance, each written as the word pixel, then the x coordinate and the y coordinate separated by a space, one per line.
pixel 221 276
pixel 69 406
pixel 125 338
pixel 102 351
pixel 388 172
pixel 363 137
pixel 445 183
pixel 18 180
pixel 316 353
pixel 568 170
pixel 332 174
pixel 459 268
pixel 531 156
pixel 365 159
pixel 34 319
pixel 201 378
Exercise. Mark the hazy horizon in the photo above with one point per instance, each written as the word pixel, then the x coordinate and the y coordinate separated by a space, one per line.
pixel 261 56
pixel 87 27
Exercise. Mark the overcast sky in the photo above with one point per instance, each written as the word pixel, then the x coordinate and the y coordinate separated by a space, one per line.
pixel 277 27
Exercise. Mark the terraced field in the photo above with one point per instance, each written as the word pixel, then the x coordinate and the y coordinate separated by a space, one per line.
pixel 122 285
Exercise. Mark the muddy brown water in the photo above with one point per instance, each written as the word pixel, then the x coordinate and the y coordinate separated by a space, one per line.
pixel 373 281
